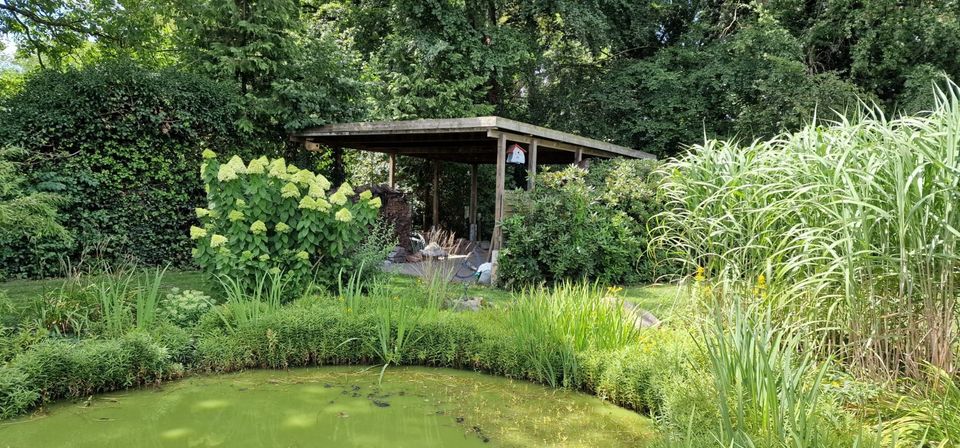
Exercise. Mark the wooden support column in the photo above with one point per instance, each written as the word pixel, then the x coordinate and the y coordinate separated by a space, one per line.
pixel 473 203
pixel 532 168
pixel 578 156
pixel 338 174
pixel 392 171
pixel 436 194
pixel 497 240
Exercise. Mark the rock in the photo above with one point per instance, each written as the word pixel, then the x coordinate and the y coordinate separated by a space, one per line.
pixel 414 258
pixel 466 304
pixel 433 250
pixel 640 318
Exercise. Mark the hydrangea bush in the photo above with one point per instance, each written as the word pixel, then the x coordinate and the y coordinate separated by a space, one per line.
pixel 270 217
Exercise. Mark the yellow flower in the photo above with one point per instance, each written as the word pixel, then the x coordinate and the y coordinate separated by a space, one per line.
pixel 202 212
pixel 366 194
pixel 699 275
pixel 281 227
pixel 258 166
pixel 258 227
pixel 292 169
pixel 290 191
pixel 338 198
pixel 614 290
pixel 237 164
pixel 375 202
pixel 343 215
pixel 196 233
pixel 208 154
pixel 235 215
pixel 217 240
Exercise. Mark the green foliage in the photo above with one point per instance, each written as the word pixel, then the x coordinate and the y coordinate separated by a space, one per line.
pixel 184 308
pixel 553 327
pixel 847 231
pixel 577 224
pixel 121 144
pixel 25 214
pixel 58 369
pixel 270 218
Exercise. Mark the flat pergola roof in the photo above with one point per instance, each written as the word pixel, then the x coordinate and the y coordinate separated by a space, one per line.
pixel 464 140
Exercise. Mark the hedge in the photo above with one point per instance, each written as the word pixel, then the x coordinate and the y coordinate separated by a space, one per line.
pixel 122 143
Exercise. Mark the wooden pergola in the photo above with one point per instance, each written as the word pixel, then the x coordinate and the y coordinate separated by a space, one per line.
pixel 474 141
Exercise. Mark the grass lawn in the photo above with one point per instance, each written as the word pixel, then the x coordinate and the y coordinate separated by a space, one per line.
pixel 658 299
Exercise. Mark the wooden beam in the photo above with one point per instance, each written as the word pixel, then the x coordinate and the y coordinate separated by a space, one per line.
pixel 473 203
pixel 436 194
pixel 392 171
pixel 548 143
pixel 532 165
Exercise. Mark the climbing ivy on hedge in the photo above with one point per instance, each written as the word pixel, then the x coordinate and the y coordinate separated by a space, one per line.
pixel 121 143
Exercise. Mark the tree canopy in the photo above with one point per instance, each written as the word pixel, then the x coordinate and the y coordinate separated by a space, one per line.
pixel 653 74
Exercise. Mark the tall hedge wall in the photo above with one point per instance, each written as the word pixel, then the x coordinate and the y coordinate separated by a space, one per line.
pixel 123 144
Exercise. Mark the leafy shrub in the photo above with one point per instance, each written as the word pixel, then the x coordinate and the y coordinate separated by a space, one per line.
pixel 184 308
pixel 16 395
pixel 578 224
pixel 58 368
pixel 271 217
pixel 120 143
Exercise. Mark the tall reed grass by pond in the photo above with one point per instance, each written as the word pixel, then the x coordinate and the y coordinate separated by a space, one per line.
pixel 849 232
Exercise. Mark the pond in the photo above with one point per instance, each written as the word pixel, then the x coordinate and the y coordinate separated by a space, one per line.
pixel 334 406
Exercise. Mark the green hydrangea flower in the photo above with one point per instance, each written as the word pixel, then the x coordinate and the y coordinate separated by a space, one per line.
pixel 346 189
pixel 240 203
pixel 258 227
pixel 203 169
pixel 303 255
pixel 257 166
pixel 217 240
pixel 246 255
pixel 375 202
pixel 202 212
pixel 315 190
pixel 303 177
pixel 274 271
pixel 278 168
pixel 322 182
pixel 343 215
pixel 322 205
pixel 338 198
pixel 197 232
pixel 235 215
pixel 237 164
pixel 292 169
pixel 290 191
pixel 281 227
pixel 264 257
pixel 226 173
pixel 208 154
pixel 307 203
pixel 365 194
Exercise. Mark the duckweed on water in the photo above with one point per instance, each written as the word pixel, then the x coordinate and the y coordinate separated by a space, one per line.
pixel 335 406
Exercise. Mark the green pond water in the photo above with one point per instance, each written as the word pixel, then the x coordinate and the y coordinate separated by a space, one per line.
pixel 334 407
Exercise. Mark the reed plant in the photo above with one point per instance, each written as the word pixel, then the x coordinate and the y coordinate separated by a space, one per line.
pixel 553 325
pixel 854 229
pixel 397 319
pixel 113 290
pixel 148 297
pixel 247 303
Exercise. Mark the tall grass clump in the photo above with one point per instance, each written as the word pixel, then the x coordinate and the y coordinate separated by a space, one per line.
pixel 767 394
pixel 853 229
pixel 552 326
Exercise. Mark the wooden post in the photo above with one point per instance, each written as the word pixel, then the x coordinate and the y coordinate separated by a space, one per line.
pixel 497 239
pixel 338 174
pixel 578 156
pixel 392 171
pixel 532 169
pixel 473 203
pixel 436 194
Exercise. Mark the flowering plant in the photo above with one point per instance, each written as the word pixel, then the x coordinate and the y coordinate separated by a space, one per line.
pixel 270 217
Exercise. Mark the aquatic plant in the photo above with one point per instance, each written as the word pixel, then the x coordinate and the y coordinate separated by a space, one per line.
pixel 246 303
pixel 148 297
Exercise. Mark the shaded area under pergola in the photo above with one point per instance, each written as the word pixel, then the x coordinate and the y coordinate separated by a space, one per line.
pixel 473 141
